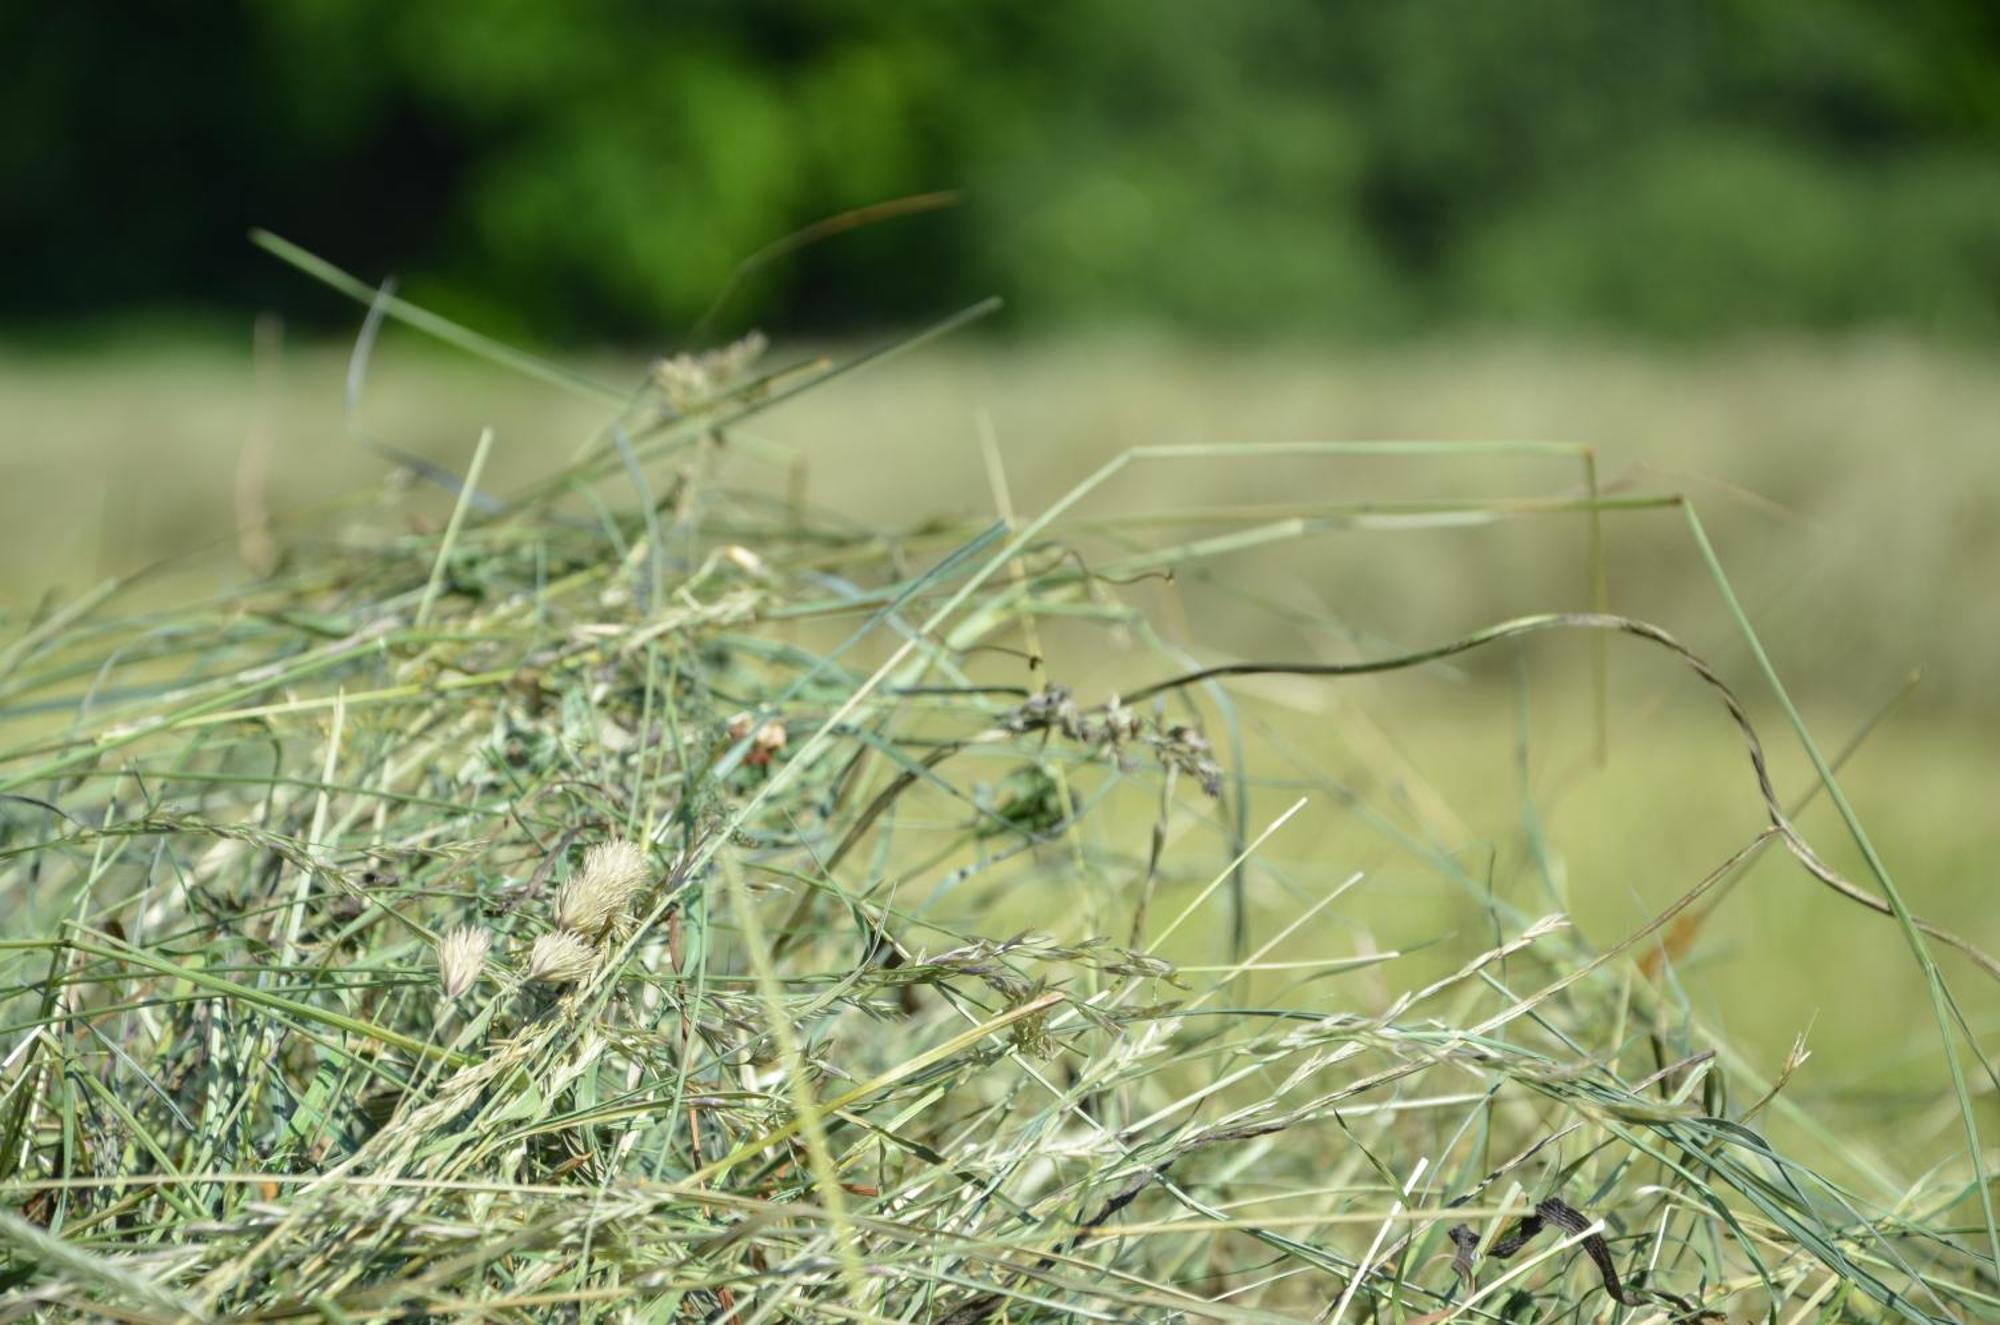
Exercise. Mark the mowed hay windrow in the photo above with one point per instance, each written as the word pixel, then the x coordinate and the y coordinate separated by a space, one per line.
pixel 646 896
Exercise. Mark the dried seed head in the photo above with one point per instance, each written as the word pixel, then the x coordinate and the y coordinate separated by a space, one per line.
pixel 619 864
pixel 1186 749
pixel 1053 709
pixel 1120 723
pixel 560 958
pixel 688 380
pixel 596 897
pixel 461 955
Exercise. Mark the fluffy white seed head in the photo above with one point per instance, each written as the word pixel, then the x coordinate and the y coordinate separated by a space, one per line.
pixel 597 896
pixel 560 958
pixel 461 955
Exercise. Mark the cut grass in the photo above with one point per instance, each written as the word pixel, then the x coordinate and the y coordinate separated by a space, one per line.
pixel 949 995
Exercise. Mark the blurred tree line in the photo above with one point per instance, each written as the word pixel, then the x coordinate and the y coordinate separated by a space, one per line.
pixel 597 169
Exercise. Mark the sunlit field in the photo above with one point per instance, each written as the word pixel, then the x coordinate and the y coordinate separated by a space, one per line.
pixel 1848 484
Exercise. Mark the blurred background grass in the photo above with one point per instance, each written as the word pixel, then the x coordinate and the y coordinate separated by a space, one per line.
pixel 596 170
pixel 1749 249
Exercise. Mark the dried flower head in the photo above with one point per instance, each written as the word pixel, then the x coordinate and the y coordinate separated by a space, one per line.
pixel 461 955
pixel 1054 709
pixel 1187 750
pixel 560 958
pixel 596 897
pixel 688 380
pixel 765 745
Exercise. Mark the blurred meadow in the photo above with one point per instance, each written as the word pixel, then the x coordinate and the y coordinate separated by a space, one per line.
pixel 1746 253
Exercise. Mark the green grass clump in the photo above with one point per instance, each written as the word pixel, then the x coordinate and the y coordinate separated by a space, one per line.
pixel 647 897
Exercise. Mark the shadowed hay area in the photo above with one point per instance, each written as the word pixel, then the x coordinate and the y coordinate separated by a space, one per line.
pixel 644 896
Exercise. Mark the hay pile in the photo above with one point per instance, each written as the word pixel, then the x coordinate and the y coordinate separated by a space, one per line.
pixel 563 908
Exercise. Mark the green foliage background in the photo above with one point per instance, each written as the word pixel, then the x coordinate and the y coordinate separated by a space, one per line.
pixel 598 167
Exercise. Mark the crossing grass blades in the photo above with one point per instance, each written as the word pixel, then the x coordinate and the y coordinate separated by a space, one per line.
pixel 562 907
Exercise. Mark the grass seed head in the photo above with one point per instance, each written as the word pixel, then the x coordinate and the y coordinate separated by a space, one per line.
pixel 598 895
pixel 560 958
pixel 690 380
pixel 461 955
